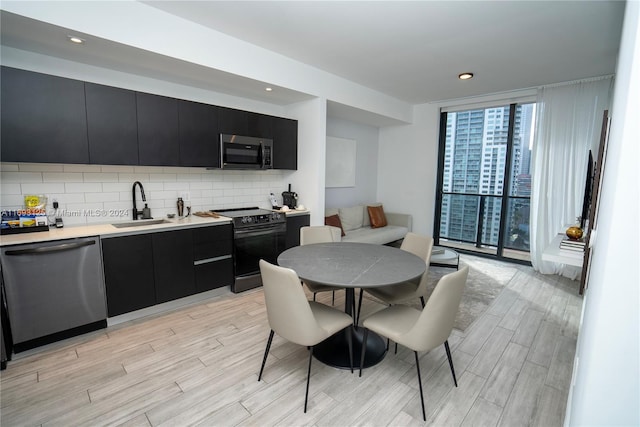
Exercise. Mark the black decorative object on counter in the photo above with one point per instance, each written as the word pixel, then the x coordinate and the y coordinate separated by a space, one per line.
pixel 290 198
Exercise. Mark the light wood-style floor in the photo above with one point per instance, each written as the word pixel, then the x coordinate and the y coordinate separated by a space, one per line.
pixel 199 365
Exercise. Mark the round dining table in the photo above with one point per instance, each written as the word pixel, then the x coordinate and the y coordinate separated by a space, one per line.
pixel 350 266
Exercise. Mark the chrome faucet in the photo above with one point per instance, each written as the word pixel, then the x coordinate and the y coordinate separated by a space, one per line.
pixel 146 212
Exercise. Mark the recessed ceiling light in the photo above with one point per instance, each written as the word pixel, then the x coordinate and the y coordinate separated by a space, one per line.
pixel 268 89
pixel 465 76
pixel 75 39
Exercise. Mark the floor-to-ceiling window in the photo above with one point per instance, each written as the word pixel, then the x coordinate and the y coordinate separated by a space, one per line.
pixel 484 181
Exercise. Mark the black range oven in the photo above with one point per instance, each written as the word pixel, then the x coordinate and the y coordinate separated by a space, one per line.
pixel 257 234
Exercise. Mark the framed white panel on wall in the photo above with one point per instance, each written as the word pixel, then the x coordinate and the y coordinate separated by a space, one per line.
pixel 340 162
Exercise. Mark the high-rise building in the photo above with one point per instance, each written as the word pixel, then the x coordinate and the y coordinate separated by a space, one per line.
pixel 475 161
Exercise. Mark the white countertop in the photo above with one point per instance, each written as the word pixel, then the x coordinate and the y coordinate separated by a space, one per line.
pixel 294 212
pixel 107 230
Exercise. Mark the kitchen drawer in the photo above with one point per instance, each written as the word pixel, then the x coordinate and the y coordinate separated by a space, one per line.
pixel 214 274
pixel 212 242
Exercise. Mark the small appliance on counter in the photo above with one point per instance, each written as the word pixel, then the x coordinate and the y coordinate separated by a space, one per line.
pixel 274 202
pixel 290 198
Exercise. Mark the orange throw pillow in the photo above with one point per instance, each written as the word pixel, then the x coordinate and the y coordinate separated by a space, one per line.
pixel 334 220
pixel 376 216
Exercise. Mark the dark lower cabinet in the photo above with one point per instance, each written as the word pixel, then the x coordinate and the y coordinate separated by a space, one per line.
pixel 128 273
pixel 294 223
pixel 43 118
pixel 214 274
pixel 173 265
pixel 148 269
pixel 213 257
pixel 112 125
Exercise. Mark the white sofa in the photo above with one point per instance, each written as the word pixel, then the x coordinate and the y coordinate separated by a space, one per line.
pixel 357 227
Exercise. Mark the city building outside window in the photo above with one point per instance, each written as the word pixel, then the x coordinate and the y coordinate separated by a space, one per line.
pixel 484 180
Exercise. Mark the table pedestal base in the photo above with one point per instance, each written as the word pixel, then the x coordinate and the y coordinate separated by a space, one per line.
pixel 334 351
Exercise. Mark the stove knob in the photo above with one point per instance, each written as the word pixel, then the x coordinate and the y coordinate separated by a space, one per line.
pixel 276 216
pixel 249 219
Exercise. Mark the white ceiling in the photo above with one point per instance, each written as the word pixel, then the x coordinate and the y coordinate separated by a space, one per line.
pixel 412 50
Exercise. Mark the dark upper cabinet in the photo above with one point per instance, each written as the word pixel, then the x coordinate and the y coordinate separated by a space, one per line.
pixel 158 143
pixel 173 265
pixel 245 123
pixel 285 143
pixel 43 118
pixel 49 119
pixel 199 134
pixel 259 125
pixel 112 125
pixel 233 121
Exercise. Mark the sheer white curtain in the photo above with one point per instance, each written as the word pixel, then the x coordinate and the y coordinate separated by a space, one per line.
pixel 568 122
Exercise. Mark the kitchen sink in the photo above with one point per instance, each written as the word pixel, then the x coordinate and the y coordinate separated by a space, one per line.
pixel 140 223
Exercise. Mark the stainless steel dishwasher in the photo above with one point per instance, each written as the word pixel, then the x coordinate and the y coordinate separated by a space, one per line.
pixel 54 290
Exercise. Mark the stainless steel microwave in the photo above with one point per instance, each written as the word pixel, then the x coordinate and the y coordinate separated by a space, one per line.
pixel 245 152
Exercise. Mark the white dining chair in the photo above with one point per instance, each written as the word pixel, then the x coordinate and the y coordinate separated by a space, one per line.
pixel 402 293
pixel 297 319
pixel 320 234
pixel 422 330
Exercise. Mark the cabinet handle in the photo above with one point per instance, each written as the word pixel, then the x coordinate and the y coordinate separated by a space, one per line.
pixel 210 260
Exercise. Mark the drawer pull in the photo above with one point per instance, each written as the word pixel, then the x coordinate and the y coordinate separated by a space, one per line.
pixel 209 260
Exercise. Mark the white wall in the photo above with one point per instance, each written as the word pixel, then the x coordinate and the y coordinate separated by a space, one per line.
pixel 606 369
pixel 74 70
pixel 365 190
pixel 408 166
pixel 308 180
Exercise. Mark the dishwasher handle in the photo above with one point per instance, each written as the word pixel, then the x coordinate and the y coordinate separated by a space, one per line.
pixel 49 249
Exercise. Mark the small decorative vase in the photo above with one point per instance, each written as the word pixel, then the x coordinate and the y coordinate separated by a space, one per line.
pixel 574 233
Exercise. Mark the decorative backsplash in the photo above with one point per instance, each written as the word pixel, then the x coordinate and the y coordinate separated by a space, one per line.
pixel 101 194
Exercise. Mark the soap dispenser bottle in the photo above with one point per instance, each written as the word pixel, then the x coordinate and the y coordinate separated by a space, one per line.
pixel 146 212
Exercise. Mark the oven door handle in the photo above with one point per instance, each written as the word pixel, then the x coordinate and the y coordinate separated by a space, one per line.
pixel 259 231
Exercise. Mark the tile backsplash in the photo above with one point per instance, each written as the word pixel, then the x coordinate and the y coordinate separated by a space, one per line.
pixel 89 194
